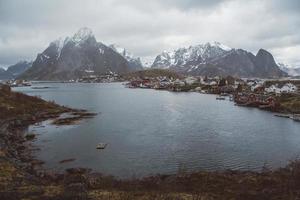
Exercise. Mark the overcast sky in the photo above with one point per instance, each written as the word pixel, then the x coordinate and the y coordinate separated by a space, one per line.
pixel 147 27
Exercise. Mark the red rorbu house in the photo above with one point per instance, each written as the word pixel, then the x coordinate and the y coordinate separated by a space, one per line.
pixel 135 83
pixel 256 100
pixel 246 99
pixel 271 103
pixel 145 83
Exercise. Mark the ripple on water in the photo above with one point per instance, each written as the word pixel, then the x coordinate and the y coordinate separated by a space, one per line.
pixel 153 132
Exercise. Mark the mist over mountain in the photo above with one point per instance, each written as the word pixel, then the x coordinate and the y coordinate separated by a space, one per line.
pixel 291 71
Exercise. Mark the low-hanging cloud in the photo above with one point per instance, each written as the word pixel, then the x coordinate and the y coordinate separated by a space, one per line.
pixel 148 27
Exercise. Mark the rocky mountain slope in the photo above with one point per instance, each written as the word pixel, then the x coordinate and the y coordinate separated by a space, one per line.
pixel 214 59
pixel 19 68
pixel 77 56
pixel 134 62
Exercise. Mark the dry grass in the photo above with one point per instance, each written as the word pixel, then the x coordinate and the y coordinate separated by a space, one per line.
pixel 290 103
pixel 15 104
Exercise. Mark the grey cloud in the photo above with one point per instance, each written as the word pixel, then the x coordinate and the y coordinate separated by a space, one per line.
pixel 286 5
pixel 194 4
pixel 148 27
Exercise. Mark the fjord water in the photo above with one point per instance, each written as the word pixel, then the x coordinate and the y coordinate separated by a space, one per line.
pixel 150 132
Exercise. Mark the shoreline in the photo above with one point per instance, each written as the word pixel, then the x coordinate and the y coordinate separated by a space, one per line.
pixel 277 111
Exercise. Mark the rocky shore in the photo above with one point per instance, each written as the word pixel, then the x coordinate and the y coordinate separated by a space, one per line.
pixel 20 173
pixel 23 177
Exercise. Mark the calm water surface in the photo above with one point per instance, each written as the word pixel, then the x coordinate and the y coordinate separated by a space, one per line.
pixel 152 132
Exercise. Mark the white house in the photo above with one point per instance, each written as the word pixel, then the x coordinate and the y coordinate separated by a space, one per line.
pixel 179 82
pixel 287 88
pixel 213 83
pixel 190 80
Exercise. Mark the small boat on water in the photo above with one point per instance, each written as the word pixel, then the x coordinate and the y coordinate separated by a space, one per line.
pixel 283 115
pixel 26 83
pixel 101 146
pixel 220 98
pixel 224 94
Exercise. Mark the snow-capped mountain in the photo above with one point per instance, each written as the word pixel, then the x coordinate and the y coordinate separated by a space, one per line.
pixel 72 57
pixel 214 58
pixel 290 70
pixel 189 56
pixel 135 62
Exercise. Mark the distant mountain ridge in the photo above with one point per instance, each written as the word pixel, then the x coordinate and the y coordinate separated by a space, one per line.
pixel 4 75
pixel 216 59
pixel 72 57
pixel 15 70
pixel 19 68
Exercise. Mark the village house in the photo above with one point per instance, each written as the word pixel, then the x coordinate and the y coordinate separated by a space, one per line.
pixel 256 100
pixel 287 88
pixel 190 80
pixel 179 82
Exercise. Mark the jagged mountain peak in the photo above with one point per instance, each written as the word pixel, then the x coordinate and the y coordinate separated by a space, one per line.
pixel 59 44
pixel 71 57
pixel 215 58
pixel 263 52
pixel 82 34
pixel 121 50
pixel 190 55
pixel 218 45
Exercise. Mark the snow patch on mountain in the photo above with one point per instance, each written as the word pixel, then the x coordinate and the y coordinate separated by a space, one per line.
pixel 122 51
pixel 220 45
pixel 59 44
pixel 82 35
pixel 101 51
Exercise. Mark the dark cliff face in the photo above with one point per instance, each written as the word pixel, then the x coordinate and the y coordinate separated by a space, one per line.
pixel 213 60
pixel 43 66
pixel 266 65
pixel 71 58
